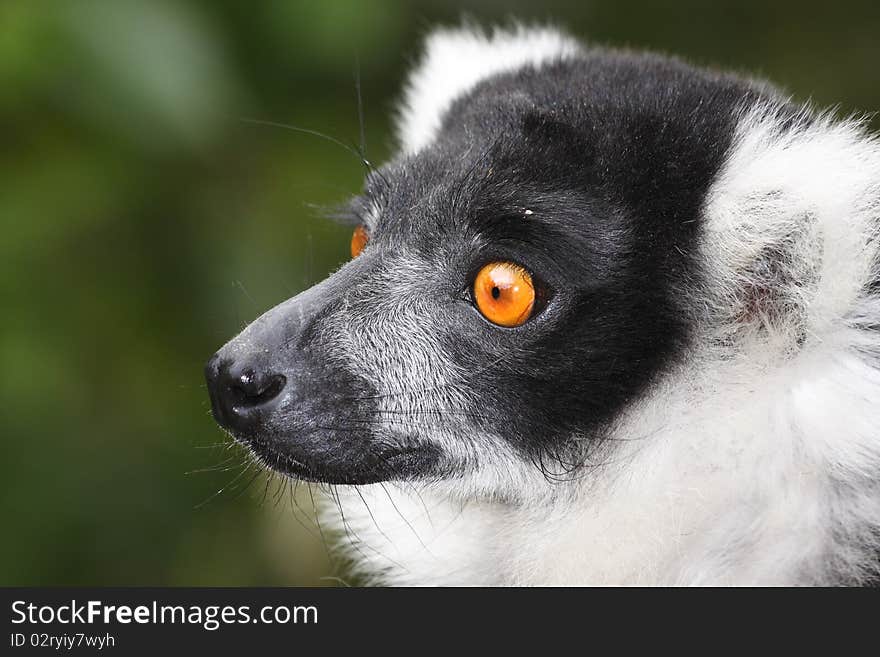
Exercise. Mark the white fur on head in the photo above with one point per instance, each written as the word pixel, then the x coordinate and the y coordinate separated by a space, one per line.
pixel 456 60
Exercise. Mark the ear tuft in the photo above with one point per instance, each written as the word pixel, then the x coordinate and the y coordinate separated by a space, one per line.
pixel 455 60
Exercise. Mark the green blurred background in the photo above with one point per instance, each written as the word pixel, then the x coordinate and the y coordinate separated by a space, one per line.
pixel 143 224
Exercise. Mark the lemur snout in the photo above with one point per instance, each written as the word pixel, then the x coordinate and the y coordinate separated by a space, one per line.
pixel 241 392
pixel 283 390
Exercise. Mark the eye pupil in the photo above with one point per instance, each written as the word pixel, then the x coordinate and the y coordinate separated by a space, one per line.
pixel 496 293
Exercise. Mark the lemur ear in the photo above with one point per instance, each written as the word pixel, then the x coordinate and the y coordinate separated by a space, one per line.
pixel 455 60
pixel 791 222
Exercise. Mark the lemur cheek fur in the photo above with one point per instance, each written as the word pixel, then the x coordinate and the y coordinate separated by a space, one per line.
pixel 609 319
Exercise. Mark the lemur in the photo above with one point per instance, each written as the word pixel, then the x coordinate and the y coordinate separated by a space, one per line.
pixel 610 319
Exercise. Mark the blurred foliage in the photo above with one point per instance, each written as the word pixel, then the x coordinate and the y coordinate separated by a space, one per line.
pixel 143 223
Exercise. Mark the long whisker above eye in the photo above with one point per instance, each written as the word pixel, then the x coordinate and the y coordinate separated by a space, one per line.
pixel 315 133
pixel 358 152
pixel 360 109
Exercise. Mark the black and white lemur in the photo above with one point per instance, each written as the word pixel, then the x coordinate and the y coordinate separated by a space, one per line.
pixel 610 319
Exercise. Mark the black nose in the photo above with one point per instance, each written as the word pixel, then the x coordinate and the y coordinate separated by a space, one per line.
pixel 241 392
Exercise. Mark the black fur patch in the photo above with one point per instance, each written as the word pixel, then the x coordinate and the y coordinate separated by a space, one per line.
pixel 591 173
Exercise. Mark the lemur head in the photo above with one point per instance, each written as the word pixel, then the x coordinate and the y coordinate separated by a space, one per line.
pixel 524 270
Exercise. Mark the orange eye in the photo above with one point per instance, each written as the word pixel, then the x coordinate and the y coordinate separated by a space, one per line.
pixel 504 293
pixel 359 240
